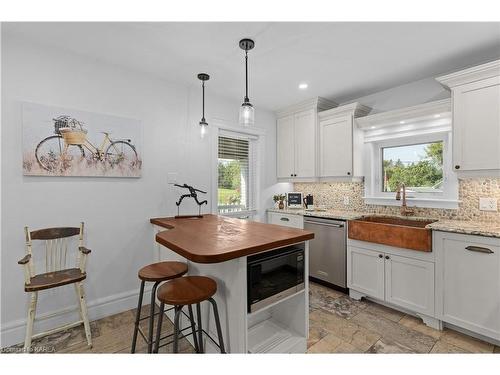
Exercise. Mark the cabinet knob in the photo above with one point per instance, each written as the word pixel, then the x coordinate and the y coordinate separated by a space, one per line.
pixel 457 166
pixel 348 173
pixel 387 257
pixel 380 256
pixel 295 175
pixel 291 174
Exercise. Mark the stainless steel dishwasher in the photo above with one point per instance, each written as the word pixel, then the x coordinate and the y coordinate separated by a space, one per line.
pixel 327 251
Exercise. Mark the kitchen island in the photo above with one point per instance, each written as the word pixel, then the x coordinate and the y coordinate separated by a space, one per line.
pixel 219 247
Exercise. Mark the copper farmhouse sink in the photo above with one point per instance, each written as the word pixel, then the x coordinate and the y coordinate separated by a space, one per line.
pixel 392 231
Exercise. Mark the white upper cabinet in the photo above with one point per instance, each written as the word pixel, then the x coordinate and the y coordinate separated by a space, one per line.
pixel 305 146
pixel 297 136
pixel 285 147
pixel 476 118
pixel 340 142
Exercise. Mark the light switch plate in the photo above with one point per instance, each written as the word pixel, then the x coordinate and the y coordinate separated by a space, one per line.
pixel 172 178
pixel 488 204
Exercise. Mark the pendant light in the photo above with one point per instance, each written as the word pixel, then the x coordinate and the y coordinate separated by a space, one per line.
pixel 203 123
pixel 246 109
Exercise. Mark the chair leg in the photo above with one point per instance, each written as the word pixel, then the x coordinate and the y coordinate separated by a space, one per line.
pixel 31 320
pixel 80 292
pixel 137 317
pixel 217 324
pixel 200 331
pixel 152 316
pixel 158 328
pixel 193 328
pixel 178 310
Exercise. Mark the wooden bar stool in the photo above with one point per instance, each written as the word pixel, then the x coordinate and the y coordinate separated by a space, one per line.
pixel 156 272
pixel 187 291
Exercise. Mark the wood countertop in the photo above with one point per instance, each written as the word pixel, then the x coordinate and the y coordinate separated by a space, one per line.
pixel 215 239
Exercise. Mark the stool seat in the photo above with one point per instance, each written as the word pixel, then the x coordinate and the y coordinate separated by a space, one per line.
pixel 187 290
pixel 162 271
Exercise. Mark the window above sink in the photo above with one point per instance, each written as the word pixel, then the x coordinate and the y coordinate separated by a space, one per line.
pixel 410 146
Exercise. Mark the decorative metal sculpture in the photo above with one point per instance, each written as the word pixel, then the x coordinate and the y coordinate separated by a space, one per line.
pixel 193 193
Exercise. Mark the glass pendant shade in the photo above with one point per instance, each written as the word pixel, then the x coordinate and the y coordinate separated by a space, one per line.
pixel 247 114
pixel 203 129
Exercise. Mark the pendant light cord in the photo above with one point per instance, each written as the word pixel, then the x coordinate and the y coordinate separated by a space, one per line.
pixel 246 77
pixel 203 100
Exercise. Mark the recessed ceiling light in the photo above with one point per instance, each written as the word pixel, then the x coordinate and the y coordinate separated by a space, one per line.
pixel 402 122
pixel 372 127
pixel 437 116
pixel 303 86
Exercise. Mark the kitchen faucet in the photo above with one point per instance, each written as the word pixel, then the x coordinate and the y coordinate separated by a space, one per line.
pixel 405 210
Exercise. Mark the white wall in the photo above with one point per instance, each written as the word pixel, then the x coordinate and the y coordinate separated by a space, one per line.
pixel 116 211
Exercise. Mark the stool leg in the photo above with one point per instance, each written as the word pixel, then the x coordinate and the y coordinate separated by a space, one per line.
pixel 200 329
pixel 217 324
pixel 152 317
pixel 193 328
pixel 137 317
pixel 158 328
pixel 178 310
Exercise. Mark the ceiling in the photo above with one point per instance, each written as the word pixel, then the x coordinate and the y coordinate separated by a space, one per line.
pixel 339 61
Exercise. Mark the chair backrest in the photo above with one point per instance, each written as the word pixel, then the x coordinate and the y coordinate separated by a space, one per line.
pixel 56 244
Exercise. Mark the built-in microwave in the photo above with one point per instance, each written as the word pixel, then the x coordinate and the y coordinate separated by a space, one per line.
pixel 274 275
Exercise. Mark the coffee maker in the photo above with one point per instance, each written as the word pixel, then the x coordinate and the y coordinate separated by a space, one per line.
pixel 309 202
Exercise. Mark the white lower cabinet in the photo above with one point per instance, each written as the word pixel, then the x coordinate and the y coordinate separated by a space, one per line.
pixel 400 277
pixel 468 282
pixel 365 271
pixel 409 283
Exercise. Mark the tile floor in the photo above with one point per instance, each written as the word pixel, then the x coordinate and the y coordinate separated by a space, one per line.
pixel 338 324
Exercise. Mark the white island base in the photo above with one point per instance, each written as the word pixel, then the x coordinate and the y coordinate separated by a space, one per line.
pixel 278 328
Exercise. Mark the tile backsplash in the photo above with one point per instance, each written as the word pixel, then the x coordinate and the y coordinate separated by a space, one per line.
pixel 331 195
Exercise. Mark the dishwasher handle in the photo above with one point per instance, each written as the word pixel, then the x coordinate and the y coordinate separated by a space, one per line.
pixel 324 224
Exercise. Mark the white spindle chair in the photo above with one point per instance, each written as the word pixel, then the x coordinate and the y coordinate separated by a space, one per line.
pixel 56 274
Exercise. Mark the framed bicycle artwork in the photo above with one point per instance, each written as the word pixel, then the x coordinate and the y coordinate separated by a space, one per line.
pixel 67 142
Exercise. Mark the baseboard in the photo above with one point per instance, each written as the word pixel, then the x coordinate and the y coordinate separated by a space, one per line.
pixel 13 332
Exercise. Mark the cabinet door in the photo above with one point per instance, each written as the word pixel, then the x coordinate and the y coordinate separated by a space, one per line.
pixel 476 125
pixel 468 283
pixel 305 143
pixel 285 147
pixel 409 283
pixel 365 271
pixel 336 147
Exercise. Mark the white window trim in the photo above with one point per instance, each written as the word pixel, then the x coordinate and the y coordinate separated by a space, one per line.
pixel 373 159
pixel 220 127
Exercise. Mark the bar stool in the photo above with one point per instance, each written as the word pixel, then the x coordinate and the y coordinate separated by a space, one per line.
pixel 187 291
pixel 156 272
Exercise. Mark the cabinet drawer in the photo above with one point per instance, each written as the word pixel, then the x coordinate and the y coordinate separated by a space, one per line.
pixel 293 221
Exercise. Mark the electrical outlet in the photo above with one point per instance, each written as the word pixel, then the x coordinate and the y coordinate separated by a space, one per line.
pixel 172 178
pixel 488 204
pixel 346 201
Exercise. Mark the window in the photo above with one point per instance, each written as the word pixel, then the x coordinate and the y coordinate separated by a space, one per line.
pixel 236 174
pixel 422 162
pixel 418 166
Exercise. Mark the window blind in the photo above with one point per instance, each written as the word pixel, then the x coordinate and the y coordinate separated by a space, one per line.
pixel 236 173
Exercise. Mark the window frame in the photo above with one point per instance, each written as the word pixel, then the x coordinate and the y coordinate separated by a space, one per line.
pixel 447 198
pixel 256 138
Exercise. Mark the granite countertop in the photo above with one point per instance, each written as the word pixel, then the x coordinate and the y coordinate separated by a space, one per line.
pixel 481 228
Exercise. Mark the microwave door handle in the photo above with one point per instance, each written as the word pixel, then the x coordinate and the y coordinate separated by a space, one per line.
pixel 324 224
